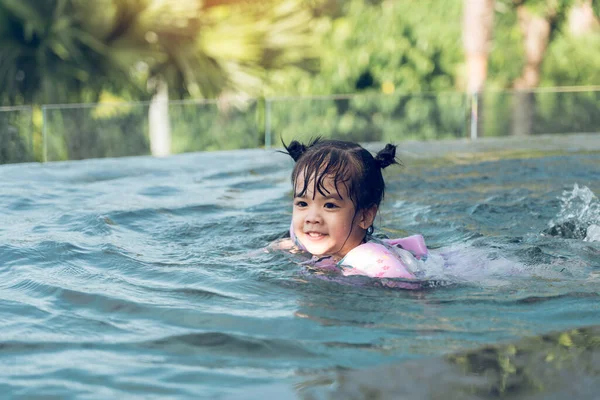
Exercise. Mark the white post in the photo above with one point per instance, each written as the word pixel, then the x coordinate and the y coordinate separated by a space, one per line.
pixel 159 125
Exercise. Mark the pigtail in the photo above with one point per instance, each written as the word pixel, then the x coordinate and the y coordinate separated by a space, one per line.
pixel 296 149
pixel 386 157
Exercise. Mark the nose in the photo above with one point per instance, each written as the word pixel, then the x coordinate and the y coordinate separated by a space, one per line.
pixel 313 216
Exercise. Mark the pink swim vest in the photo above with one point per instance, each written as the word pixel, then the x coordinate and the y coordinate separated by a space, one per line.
pixel 387 258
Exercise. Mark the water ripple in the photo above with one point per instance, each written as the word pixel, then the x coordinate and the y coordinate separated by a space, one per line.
pixel 241 346
pixel 141 277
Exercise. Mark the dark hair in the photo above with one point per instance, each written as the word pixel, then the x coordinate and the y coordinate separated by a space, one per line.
pixel 348 163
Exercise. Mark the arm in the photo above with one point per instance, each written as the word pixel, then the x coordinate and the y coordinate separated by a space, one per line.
pixel 376 261
pixel 281 244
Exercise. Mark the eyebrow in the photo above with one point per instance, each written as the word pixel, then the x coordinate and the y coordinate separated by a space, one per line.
pixel 329 196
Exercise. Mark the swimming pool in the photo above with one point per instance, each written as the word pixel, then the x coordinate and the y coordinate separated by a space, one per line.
pixel 144 277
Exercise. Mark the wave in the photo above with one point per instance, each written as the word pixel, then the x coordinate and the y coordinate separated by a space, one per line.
pixel 579 216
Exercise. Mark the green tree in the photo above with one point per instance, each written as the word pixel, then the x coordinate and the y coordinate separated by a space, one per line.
pixel 539 24
pixel 70 50
pixel 73 50
pixel 391 52
pixel 53 51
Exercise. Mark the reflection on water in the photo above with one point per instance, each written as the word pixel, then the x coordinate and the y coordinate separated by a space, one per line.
pixel 559 365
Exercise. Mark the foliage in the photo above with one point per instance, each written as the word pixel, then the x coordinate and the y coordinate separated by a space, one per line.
pixel 404 59
pixel 196 126
pixel 53 51
pixel 571 62
pixel 203 126
pixel 72 50
pixel 76 51
pixel 368 45
pixel 73 133
pixel 370 117
pixel 378 47
pixel 15 147
pixel 506 56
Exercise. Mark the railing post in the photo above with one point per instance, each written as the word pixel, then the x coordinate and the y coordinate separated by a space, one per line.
pixel 44 136
pixel 474 115
pixel 30 147
pixel 268 139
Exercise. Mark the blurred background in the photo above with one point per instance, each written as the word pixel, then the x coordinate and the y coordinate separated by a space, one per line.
pixel 108 78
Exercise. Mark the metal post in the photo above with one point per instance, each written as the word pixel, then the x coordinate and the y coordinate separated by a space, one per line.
pixel 268 140
pixel 30 147
pixel 44 136
pixel 474 114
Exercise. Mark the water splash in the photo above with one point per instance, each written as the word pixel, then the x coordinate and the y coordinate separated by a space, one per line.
pixel 579 216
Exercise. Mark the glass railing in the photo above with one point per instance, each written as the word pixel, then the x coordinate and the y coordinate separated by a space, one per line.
pixel 75 132
pixel 543 111
pixel 368 118
pixel 68 132
pixel 16 135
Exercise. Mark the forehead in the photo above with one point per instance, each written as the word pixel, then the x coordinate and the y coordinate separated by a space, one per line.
pixel 327 185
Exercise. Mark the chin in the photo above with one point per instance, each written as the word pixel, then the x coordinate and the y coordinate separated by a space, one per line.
pixel 316 250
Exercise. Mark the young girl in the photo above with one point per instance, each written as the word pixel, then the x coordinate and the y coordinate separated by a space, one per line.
pixel 338 187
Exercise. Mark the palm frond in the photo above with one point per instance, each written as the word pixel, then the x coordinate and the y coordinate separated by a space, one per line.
pixel 60 50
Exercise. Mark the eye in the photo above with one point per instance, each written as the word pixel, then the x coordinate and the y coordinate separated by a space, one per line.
pixel 300 203
pixel 331 205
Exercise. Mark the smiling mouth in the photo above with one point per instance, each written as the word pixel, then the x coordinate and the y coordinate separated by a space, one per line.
pixel 315 235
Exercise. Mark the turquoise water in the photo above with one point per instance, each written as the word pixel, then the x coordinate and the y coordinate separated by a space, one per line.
pixel 142 277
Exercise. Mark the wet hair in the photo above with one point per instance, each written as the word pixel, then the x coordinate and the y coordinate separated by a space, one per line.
pixel 347 163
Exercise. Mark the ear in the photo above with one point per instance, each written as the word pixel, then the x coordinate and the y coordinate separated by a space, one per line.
pixel 366 217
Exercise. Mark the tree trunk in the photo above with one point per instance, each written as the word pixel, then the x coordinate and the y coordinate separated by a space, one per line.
pixel 536 34
pixel 159 125
pixel 478 24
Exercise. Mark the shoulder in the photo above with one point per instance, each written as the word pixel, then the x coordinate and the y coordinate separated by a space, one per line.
pixel 374 260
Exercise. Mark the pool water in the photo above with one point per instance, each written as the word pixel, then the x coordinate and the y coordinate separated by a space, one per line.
pixel 142 277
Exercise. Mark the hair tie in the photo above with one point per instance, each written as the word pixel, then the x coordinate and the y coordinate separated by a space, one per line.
pixel 386 157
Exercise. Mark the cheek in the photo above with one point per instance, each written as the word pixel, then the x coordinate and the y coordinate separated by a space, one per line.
pixel 296 217
pixel 343 225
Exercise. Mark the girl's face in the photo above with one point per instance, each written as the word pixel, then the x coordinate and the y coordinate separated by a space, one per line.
pixel 327 225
